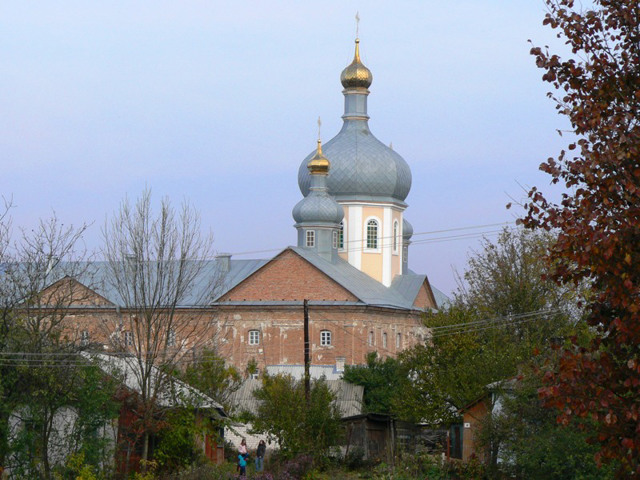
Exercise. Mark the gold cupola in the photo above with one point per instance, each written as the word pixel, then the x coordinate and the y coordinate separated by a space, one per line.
pixel 319 164
pixel 356 75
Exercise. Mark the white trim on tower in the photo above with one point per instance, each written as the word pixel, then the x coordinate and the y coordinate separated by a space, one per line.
pixel 386 247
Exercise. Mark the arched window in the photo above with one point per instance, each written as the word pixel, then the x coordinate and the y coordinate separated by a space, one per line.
pixel 325 338
pixel 254 337
pixel 396 240
pixel 341 236
pixel 371 337
pixel 335 239
pixel 171 338
pixel 372 234
pixel 398 340
pixel 384 339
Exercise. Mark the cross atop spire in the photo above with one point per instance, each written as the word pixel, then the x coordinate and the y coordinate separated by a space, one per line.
pixel 357 24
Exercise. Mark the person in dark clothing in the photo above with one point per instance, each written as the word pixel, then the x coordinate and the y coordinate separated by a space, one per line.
pixel 262 448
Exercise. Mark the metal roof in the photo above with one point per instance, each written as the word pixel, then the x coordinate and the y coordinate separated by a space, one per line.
pixel 348 396
pixel 217 277
pixel 173 392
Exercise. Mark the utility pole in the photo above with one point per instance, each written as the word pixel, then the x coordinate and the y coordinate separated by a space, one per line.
pixel 307 354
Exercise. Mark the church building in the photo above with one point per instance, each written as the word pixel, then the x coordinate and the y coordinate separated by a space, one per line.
pixel 349 267
pixel 351 261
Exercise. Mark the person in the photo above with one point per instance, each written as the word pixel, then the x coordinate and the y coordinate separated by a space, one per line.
pixel 242 464
pixel 243 447
pixel 262 448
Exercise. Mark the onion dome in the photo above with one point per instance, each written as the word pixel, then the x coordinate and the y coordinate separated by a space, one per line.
pixel 318 207
pixel 407 230
pixel 362 167
pixel 319 163
pixel 356 75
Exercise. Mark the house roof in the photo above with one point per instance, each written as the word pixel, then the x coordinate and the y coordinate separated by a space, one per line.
pixel 348 396
pixel 218 277
pixel 173 393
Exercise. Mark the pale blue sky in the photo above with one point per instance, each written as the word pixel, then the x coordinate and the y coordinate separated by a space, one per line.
pixel 217 102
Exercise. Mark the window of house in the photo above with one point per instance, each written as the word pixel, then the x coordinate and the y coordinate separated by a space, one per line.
pixel 311 238
pixel 84 337
pixel 254 337
pixel 371 337
pixel 398 340
pixel 341 236
pixel 405 253
pixel 171 338
pixel 128 338
pixel 372 234
pixel 325 338
pixel 384 339
pixel 335 239
pixel 396 231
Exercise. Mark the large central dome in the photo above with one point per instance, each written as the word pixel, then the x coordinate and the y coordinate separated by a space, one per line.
pixel 362 167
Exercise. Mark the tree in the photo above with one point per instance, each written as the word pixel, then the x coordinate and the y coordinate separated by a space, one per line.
pixel 284 415
pixel 496 321
pixel 210 374
pixel 157 263
pixel 41 374
pixel 381 380
pixel 531 443
pixel 598 219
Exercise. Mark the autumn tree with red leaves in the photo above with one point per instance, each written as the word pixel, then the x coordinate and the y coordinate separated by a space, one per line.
pixel 598 88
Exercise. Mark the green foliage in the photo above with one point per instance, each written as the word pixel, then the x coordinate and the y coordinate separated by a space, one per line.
pixel 410 467
pixel 381 380
pixel 497 320
pixel 285 416
pixel 532 444
pixel 176 447
pixel 212 376
pixel 452 370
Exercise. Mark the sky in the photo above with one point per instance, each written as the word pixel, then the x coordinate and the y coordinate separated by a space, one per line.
pixel 217 103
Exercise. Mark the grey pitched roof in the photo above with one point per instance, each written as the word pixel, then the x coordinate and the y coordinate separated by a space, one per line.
pixel 348 396
pixel 366 289
pixel 218 277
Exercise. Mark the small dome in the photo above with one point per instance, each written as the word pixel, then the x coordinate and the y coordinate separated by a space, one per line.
pixel 356 75
pixel 319 163
pixel 318 207
pixel 407 230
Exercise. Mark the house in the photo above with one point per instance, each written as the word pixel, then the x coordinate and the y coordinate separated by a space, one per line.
pixel 122 435
pixel 475 415
pixel 170 393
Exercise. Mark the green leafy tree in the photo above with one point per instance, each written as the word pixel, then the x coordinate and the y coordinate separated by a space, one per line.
pixel 284 415
pixel 531 443
pixel 598 219
pixel 502 314
pixel 41 374
pixel 211 375
pixel 381 380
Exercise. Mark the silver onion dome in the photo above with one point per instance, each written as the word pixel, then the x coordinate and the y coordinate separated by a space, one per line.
pixel 362 167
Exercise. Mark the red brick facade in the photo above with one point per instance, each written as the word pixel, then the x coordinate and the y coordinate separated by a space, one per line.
pixel 261 319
